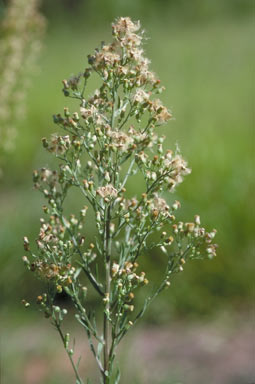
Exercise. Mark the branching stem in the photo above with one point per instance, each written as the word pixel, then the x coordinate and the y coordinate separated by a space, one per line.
pixel 77 375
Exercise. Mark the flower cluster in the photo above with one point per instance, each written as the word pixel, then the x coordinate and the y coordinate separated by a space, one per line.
pixel 107 192
pixel 199 239
pixel 164 170
pixel 114 135
pixel 127 280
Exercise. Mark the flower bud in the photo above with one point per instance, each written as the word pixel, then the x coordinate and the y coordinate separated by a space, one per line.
pixel 26 244
pixel 45 142
pixel 59 288
pixel 25 260
pixel 190 227
pixel 176 205
pixel 107 177
pixel 66 340
pixel 197 219
pixel 25 303
pixel 84 291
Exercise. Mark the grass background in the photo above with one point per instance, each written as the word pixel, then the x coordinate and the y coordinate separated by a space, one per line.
pixel 202 52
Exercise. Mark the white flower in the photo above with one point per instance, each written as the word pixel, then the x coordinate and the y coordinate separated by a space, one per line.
pixel 160 205
pixel 141 96
pixel 121 140
pixel 107 191
pixel 115 269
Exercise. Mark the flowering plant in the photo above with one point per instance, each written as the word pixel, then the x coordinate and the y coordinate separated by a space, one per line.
pixel 114 136
pixel 21 32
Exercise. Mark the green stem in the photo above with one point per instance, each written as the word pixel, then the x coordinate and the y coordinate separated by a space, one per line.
pixel 107 296
pixel 107 250
pixel 77 375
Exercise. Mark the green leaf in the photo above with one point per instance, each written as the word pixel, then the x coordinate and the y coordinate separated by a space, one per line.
pixel 100 346
pixel 117 379
pixel 77 272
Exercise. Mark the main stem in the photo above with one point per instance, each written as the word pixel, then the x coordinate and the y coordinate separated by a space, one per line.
pixel 107 296
pixel 107 247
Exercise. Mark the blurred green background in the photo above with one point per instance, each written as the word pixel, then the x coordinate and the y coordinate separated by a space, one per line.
pixel 203 52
